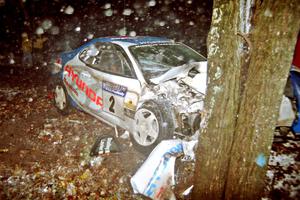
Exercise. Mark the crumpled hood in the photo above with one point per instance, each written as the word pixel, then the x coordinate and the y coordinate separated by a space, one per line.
pixel 198 82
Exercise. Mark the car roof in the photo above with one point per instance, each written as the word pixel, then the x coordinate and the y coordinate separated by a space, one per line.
pixel 132 40
pixel 123 41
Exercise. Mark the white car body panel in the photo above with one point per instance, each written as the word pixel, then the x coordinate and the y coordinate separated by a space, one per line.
pixel 114 99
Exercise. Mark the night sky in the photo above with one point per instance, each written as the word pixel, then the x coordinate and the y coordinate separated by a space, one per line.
pixel 67 24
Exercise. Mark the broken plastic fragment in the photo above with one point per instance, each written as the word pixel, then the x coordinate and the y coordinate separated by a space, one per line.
pixel 188 191
pixel 96 162
pixel 189 150
pixel 75 121
pixel 125 135
pixel 155 177
pixel 105 144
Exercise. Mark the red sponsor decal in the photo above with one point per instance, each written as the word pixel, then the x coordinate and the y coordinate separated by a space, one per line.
pixel 160 191
pixel 90 93
pixel 70 86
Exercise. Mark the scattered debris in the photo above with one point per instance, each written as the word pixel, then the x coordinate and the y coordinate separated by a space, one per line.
pixel 105 144
pixel 75 121
pixel 96 162
pixel 3 150
pixel 188 191
pixel 125 135
pixel 48 134
pixel 45 155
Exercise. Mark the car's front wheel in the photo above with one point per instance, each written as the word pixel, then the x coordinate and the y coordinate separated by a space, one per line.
pixel 61 99
pixel 153 123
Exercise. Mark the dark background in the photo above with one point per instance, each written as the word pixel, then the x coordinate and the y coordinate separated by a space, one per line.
pixel 186 21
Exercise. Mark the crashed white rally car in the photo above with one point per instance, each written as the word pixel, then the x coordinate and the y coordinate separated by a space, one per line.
pixel 151 86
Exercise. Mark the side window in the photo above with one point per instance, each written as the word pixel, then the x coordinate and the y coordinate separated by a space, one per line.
pixel 114 62
pixel 110 62
pixel 89 55
pixel 107 58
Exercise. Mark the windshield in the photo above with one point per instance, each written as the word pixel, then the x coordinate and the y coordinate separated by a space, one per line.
pixel 156 59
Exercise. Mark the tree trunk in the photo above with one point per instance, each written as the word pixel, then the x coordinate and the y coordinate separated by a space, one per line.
pixel 238 129
pixel 273 41
pixel 216 139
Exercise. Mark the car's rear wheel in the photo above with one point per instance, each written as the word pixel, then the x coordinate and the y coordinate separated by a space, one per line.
pixel 153 123
pixel 61 99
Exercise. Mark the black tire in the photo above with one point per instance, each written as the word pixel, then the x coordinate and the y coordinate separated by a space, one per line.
pixel 163 121
pixel 60 92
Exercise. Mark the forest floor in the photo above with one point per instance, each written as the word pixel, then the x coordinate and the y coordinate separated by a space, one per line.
pixel 46 155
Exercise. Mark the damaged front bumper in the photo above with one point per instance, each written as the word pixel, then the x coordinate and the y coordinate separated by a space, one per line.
pixel 187 124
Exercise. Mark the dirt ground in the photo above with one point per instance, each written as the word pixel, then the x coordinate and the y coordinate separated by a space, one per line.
pixel 46 155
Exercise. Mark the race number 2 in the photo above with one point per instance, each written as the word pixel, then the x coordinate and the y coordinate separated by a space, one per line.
pixel 112 101
pixel 113 98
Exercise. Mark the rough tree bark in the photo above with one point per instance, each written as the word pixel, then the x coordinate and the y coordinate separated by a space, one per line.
pixel 243 96
pixel 218 128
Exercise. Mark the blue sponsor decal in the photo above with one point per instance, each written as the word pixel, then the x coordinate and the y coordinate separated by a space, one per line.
pixel 150 189
pixel 114 88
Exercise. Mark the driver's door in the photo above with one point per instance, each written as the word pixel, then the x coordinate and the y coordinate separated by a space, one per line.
pixel 111 73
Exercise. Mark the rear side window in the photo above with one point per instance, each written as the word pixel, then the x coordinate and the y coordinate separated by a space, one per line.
pixel 107 58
